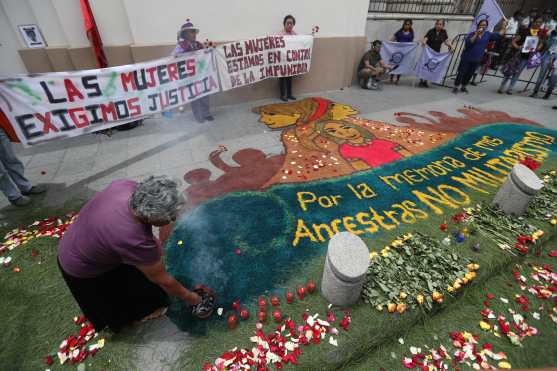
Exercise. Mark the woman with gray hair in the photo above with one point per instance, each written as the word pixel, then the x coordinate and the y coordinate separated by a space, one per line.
pixel 110 259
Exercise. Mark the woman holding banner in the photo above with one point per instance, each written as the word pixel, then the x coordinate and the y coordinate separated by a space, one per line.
pixel 187 43
pixel 404 35
pixel 435 38
pixel 286 82
pixel 474 48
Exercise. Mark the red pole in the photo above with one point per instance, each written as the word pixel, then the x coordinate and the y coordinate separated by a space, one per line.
pixel 93 33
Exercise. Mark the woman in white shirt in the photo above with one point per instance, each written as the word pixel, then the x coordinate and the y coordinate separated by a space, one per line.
pixel 514 22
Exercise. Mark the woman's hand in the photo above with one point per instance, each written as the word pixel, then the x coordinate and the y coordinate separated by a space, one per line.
pixel 192 298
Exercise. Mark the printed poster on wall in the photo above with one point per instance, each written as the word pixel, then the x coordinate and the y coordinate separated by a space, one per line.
pixel 246 62
pixel 50 106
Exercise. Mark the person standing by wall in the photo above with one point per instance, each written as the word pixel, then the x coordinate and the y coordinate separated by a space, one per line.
pixel 549 22
pixel 526 22
pixel 547 60
pixel 474 49
pixel 435 38
pixel 187 43
pixel 285 83
pixel 404 35
pixel 518 63
pixel 13 183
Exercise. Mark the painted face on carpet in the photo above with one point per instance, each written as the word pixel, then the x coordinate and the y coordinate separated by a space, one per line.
pixel 246 243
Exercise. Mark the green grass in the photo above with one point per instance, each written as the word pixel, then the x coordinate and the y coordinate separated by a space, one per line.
pixel 37 311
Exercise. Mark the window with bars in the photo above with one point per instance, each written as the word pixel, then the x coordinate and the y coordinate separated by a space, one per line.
pixel 448 7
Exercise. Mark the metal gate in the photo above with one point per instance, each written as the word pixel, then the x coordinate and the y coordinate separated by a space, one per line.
pixel 494 63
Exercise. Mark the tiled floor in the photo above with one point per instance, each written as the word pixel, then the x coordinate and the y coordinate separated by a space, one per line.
pixel 83 165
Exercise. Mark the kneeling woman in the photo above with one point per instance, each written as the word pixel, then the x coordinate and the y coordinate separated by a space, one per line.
pixel 110 259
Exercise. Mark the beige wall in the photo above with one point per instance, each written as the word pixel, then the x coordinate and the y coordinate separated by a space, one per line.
pixel 10 61
pixel 138 30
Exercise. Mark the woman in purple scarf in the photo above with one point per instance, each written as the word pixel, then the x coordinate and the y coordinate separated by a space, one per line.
pixel 187 43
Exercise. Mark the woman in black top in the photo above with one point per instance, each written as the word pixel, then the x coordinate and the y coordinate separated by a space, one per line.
pixel 519 61
pixel 434 38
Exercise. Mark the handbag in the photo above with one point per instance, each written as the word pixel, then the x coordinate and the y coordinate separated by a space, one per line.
pixel 534 60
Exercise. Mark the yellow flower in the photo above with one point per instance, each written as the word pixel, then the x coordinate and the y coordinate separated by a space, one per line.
pixel 403 295
pixel 553 172
pixel 553 221
pixel 401 307
pixel 450 289
pixel 465 280
pixel 436 296
pixel 470 275
pixel 384 253
pixel 420 299
pixel 473 267
pixel 379 307
pixel 458 280
pixel 457 286
pixel 391 307
pixel 406 237
pixel 373 254
pixel 485 326
pixel 396 243
pixel 504 365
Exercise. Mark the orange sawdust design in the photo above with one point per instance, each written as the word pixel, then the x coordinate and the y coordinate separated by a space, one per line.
pixel 325 139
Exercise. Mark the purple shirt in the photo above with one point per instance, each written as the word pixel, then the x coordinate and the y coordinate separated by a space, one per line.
pixel 106 235
pixel 184 46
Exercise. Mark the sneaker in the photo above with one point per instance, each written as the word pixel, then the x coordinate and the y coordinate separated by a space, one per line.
pixel 509 92
pixel 35 190
pixel 291 97
pixel 554 107
pixel 455 90
pixel 464 90
pixel 22 201
pixel 283 99
pixel 362 83
pixel 546 96
pixel 370 84
pixel 534 95
pixel 426 85
pixel 499 91
pixel 209 118
pixel 473 83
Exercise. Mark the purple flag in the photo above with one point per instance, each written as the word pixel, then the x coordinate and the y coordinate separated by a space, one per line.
pixel 489 11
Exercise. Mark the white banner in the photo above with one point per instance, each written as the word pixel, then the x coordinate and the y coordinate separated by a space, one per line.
pixel 401 55
pixel 246 62
pixel 44 107
pixel 432 65
pixel 491 12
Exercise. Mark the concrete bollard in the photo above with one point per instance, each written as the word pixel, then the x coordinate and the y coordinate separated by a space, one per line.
pixel 517 191
pixel 345 269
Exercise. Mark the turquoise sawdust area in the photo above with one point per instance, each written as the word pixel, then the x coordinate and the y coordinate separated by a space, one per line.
pixel 244 244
